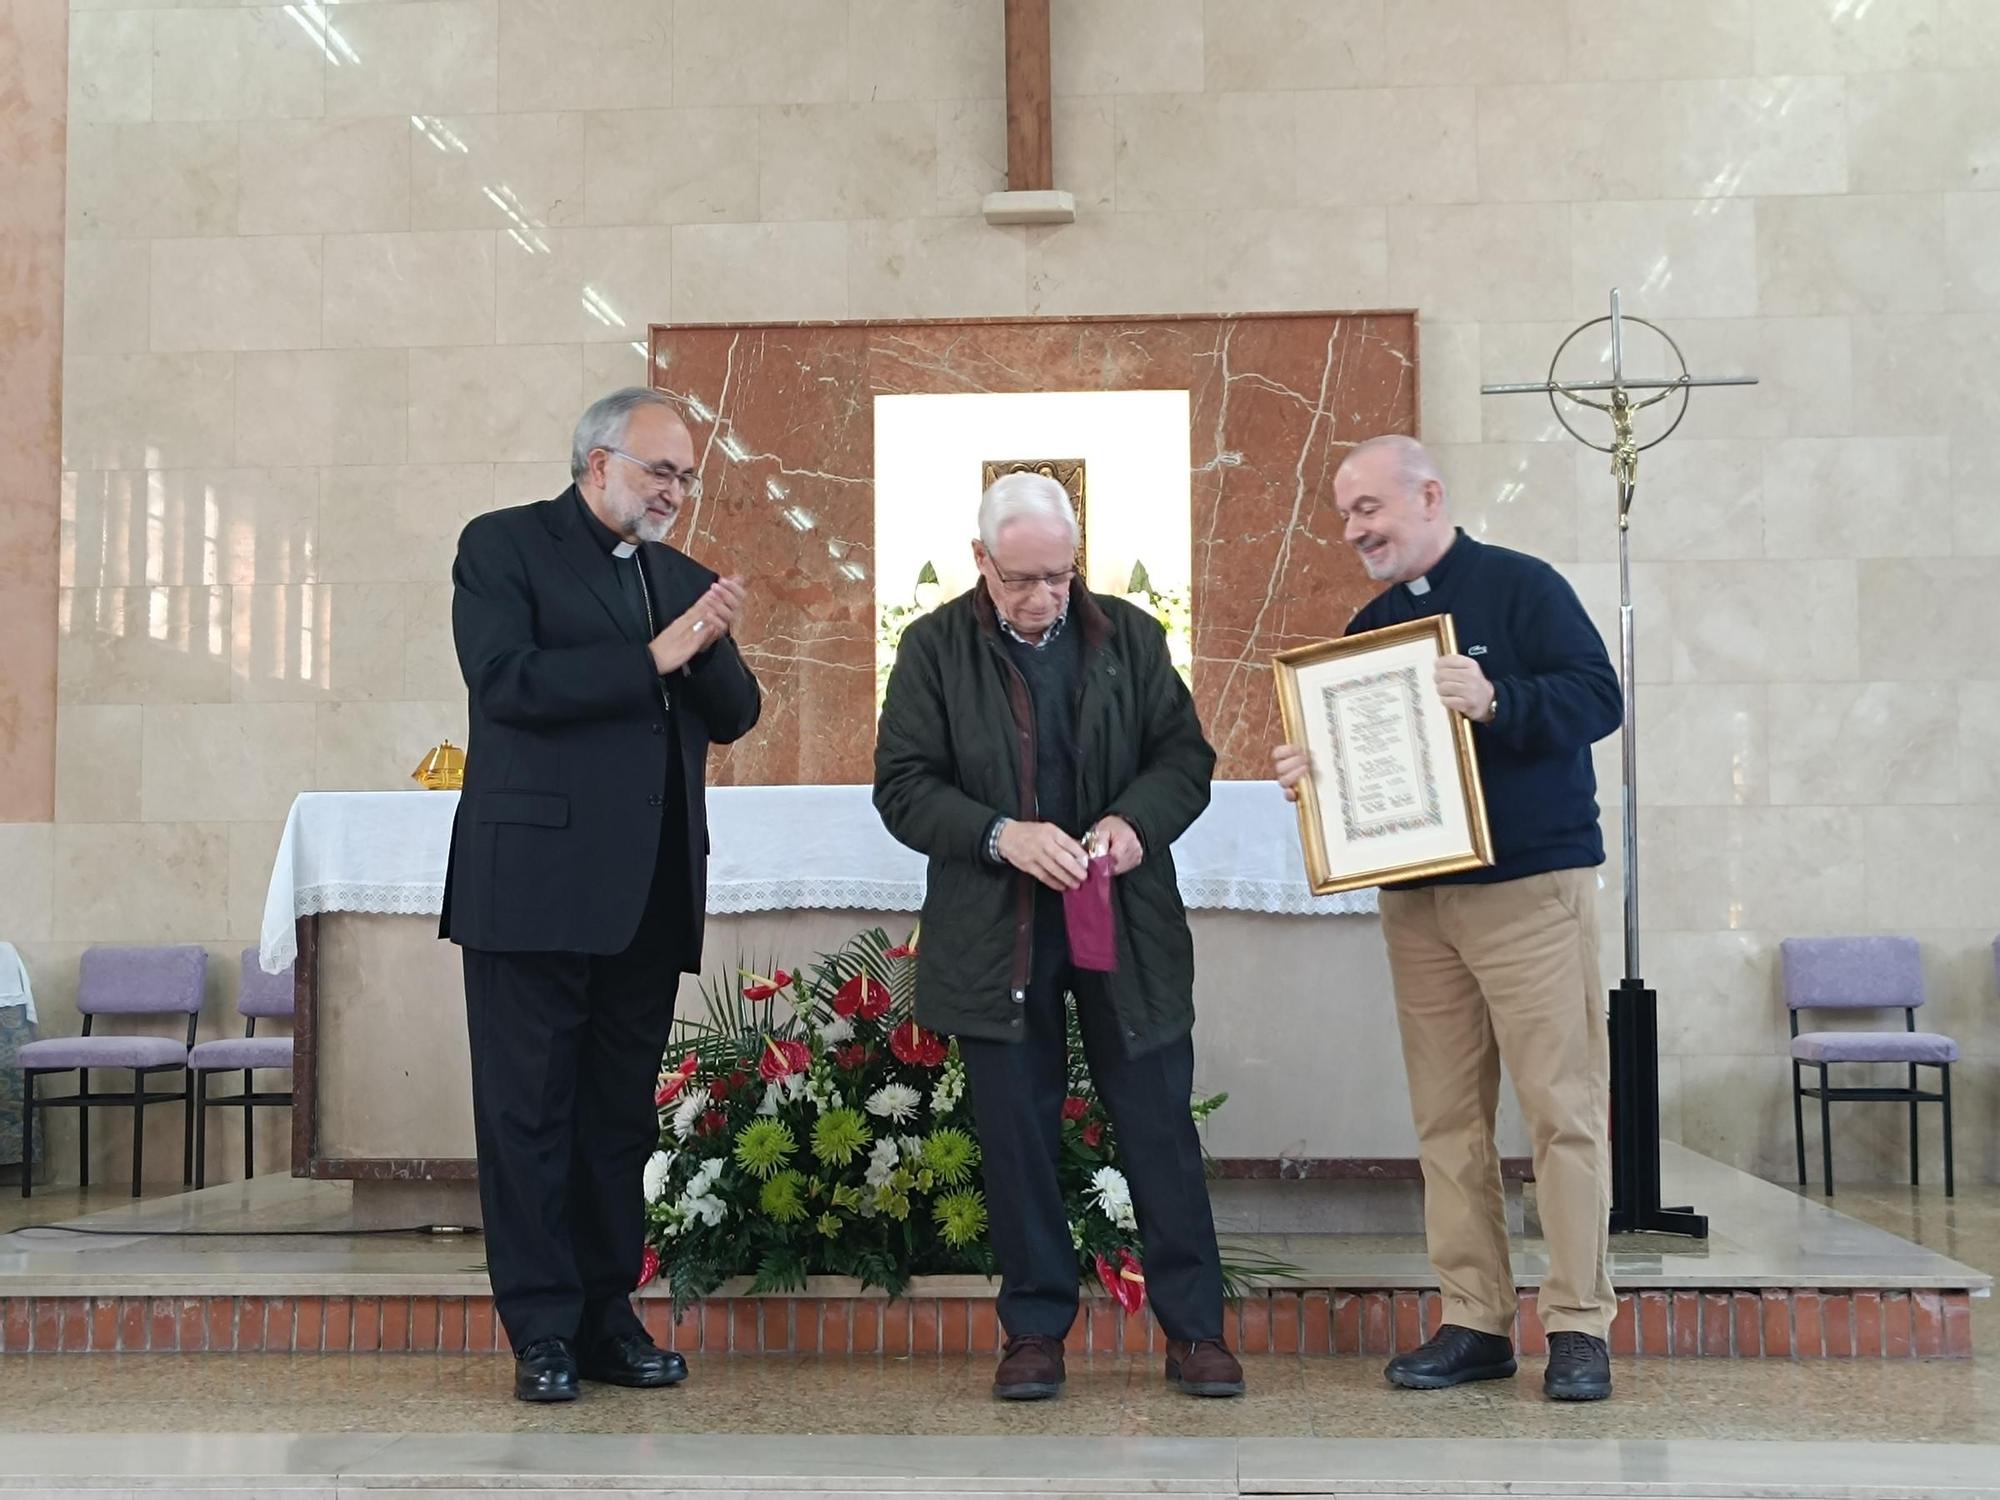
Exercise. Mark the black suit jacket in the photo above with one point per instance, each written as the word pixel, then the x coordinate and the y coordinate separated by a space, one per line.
pixel 558 828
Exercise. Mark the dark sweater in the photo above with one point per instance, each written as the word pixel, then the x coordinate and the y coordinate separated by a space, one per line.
pixel 1518 618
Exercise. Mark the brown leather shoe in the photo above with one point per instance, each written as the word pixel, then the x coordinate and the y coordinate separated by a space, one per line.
pixel 1031 1368
pixel 1204 1368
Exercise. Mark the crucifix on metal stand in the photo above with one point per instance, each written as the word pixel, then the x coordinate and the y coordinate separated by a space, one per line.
pixel 1634 1015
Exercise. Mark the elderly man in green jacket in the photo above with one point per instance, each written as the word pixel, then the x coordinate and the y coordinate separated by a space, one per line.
pixel 1023 718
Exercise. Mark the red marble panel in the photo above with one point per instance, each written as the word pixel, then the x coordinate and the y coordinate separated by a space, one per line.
pixel 783 417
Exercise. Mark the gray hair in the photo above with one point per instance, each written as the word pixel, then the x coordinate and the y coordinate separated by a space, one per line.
pixel 1413 464
pixel 1019 497
pixel 603 423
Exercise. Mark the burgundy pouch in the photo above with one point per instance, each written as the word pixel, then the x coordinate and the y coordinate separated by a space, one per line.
pixel 1093 940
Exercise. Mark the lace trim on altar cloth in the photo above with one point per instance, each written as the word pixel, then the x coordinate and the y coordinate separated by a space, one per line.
pixel 813 893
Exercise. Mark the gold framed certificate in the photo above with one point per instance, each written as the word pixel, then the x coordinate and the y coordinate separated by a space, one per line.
pixel 1394 790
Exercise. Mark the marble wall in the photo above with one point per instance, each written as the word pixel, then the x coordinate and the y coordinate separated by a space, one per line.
pixel 329 293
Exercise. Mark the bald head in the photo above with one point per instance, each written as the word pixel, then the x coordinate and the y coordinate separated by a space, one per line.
pixel 1392 505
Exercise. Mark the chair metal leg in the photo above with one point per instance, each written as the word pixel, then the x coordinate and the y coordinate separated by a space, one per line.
pixel 27 1134
pixel 249 1136
pixel 200 1128
pixel 1913 1126
pixel 1825 1130
pixel 187 1128
pixel 1944 1088
pixel 1799 1118
pixel 138 1128
pixel 83 1130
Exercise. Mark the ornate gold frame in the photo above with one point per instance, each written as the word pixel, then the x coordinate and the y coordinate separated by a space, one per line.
pixel 1286 665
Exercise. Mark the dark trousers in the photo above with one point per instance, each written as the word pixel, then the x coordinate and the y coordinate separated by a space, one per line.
pixel 1017 1093
pixel 566 1052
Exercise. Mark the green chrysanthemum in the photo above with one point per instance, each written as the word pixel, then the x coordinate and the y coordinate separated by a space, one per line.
pixel 782 1198
pixel 764 1147
pixel 950 1155
pixel 961 1217
pixel 838 1135
pixel 828 1225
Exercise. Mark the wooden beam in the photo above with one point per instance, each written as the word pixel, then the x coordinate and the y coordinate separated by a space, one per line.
pixel 1030 156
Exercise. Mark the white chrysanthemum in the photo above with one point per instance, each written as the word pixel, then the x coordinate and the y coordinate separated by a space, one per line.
pixel 659 1166
pixel 1114 1197
pixel 881 1162
pixel 894 1101
pixel 839 1029
pixel 687 1112
pixel 705 1177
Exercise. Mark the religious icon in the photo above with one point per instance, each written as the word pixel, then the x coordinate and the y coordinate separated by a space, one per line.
pixel 1394 792
pixel 1067 472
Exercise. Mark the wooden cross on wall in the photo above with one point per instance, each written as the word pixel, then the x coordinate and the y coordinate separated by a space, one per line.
pixel 1031 196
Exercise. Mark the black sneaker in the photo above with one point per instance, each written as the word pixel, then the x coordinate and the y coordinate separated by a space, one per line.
pixel 1579 1368
pixel 1452 1356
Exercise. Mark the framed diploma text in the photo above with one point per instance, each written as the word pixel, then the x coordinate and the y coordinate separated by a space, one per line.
pixel 1394 791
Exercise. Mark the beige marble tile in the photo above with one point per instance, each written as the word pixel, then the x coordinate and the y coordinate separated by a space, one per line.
pixel 1830 497
pixel 1085 153
pixel 1737 1109
pixel 1196 151
pixel 224 762
pixel 144 645
pixel 972 154
pixel 27 881
pixel 1634 40
pixel 1975 478
pixel 1668 260
pixel 678 166
pixel 1756 621
pixel 127 411
pixel 1119 263
pixel 140 882
pixel 325 176
pixel 430 658
pixel 1519 495
pixel 129 181
pixel 1127 46
pixel 1830 36
pixel 256 292
pixel 610 367
pixel 847 161
pixel 105 309
pixel 1448 382
pixel 760 51
pixel 511 172
pixel 401 524
pixel 1503 41
pixel 1293 44
pixel 322 406
pixel 1864 743
pixel 525 483
pixel 1739 137
pixel 1979 742
pixel 1929 619
pixel 1653 601
pixel 1905 374
pixel 253 63
pixel 1969 33
pixel 1705 746
pixel 97 763
pixel 933 268
pixel 1484 262
pixel 585 54
pixel 391 290
pixel 1540 142
pixel 1805 369
pixel 1971 224
pixel 1512 352
pixel 926 49
pixel 1857 254
pixel 111 67
pixel 1297 258
pixel 439 57
pixel 1371 146
pixel 253 850
pixel 1700 500
pixel 1780 869
pixel 726 273
pixel 1719 994
pixel 306 643
pixel 587 285
pixel 515 403
pixel 374 746
pixel 132 527
pixel 1931 866
pixel 1923 132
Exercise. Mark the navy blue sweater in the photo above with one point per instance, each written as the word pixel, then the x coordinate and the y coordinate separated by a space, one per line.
pixel 1518 618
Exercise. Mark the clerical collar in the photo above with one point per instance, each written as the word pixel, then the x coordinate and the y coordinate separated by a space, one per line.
pixel 601 534
pixel 1442 570
pixel 1048 636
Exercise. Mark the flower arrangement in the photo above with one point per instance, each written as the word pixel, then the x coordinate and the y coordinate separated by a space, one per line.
pixel 809 1126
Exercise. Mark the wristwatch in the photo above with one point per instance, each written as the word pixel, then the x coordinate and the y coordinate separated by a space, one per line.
pixel 1493 708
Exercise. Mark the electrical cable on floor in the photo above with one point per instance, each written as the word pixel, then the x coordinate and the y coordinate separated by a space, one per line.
pixel 245 1234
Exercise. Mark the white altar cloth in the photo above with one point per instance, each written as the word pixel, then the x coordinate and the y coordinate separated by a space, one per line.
pixel 775 848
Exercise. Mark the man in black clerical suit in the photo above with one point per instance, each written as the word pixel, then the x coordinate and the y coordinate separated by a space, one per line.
pixel 600 666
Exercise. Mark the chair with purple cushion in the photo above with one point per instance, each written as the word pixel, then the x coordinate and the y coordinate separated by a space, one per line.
pixel 116 981
pixel 260 996
pixel 1862 973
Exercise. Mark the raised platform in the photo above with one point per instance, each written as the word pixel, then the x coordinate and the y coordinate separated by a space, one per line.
pixel 1783 1277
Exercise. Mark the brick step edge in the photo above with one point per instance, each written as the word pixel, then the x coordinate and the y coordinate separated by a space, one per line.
pixel 1755 1324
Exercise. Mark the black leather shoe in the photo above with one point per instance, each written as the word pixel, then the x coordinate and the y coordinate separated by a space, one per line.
pixel 1453 1356
pixel 1579 1368
pixel 633 1359
pixel 545 1371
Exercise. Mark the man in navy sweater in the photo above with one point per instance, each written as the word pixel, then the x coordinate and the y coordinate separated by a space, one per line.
pixel 1499 963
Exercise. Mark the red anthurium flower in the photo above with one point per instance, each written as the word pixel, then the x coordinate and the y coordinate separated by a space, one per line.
pixel 782 1059
pixel 711 1122
pixel 852 1056
pixel 916 1046
pixel 1132 1276
pixel 672 1083
pixel 718 1089
pixel 906 949
pixel 1075 1108
pixel 863 995
pixel 649 1265
pixel 1093 1133
pixel 760 988
pixel 936 1050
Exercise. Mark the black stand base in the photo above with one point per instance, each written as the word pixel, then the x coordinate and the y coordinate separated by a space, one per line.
pixel 1635 1120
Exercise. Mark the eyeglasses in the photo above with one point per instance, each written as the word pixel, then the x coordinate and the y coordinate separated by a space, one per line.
pixel 1020 585
pixel 666 476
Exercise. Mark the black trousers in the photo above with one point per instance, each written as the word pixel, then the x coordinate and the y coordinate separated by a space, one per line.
pixel 1017 1093
pixel 566 1052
